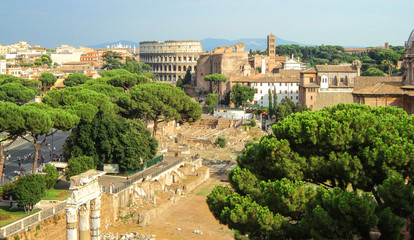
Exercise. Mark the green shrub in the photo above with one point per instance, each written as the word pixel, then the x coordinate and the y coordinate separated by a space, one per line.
pixel 221 141
pixel 28 190
pixel 78 165
pixel 51 175
pixel 253 123
pixel 6 190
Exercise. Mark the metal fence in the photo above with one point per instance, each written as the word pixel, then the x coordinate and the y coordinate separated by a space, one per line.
pixel 147 164
pixel 143 174
pixel 31 220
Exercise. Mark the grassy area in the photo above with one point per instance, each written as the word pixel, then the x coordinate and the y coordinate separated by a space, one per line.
pixel 8 216
pixel 204 192
pixel 56 194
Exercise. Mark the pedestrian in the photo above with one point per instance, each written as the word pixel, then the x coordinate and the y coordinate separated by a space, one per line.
pixel 20 164
pixel 113 187
pixel 11 201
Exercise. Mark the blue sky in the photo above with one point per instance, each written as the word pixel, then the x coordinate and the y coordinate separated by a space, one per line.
pixel 51 23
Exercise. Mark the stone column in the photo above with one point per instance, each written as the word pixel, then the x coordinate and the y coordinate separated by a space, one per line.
pixel 95 218
pixel 84 222
pixel 71 224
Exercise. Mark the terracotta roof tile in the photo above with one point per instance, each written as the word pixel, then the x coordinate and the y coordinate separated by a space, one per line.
pixel 334 68
pixel 393 88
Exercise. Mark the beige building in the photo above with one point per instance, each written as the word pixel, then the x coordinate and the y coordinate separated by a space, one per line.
pixel 328 85
pixel 4 50
pixel 170 60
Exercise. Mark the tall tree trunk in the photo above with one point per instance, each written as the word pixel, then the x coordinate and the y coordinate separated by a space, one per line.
pixel 154 129
pixel 37 145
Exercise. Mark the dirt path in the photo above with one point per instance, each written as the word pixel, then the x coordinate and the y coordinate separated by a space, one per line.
pixel 192 213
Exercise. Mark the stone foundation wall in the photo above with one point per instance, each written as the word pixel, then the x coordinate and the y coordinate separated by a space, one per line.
pixel 51 228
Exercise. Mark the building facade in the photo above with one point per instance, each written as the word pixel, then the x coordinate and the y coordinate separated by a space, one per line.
pixel 170 60
pixel 284 84
pixel 2 66
pixel 328 85
pixel 390 91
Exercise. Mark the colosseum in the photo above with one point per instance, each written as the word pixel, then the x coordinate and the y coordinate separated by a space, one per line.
pixel 170 59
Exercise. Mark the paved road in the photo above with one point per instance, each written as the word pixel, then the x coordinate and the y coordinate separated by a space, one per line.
pixel 20 148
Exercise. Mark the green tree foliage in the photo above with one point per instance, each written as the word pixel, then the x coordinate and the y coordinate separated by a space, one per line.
pixel 78 165
pixel 336 173
pixel 271 110
pixel 82 101
pixel 75 79
pixel 127 81
pixel 211 102
pixel 114 72
pixel 44 60
pixel 240 94
pixel 372 72
pixel 51 176
pixel 28 190
pixel 11 127
pixel 215 80
pixel 159 102
pixel 112 60
pixel 221 141
pixel 131 65
pixel 179 83
pixel 112 139
pixel 16 93
pixel 47 79
pixel 187 77
pixel 32 84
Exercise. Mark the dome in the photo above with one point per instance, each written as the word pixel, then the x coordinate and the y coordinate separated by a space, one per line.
pixel 410 40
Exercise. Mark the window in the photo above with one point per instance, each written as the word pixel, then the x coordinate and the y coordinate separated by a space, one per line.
pixel 273 91
pixel 311 80
pixel 291 91
pixel 255 90
pixel 342 80
pixel 261 98
pixel 311 97
pixel 285 91
pixel 280 91
pixel 261 91
pixel 291 97
pixel 297 97
pixel 297 91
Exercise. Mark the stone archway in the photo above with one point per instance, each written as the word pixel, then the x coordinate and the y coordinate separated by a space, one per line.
pixel 84 203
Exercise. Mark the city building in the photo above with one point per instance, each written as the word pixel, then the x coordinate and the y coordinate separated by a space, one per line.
pixel 2 66
pixel 328 85
pixel 389 91
pixel 94 58
pixel 4 50
pixel 64 57
pixel 283 84
pixel 170 60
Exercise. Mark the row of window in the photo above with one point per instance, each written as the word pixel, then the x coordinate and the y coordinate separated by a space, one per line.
pixel 170 68
pixel 276 84
pixel 168 59
pixel 261 102
pixel 273 91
